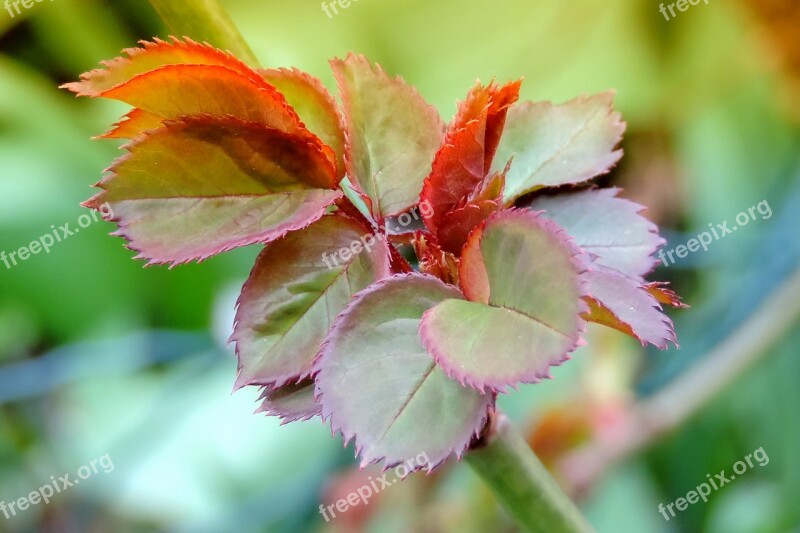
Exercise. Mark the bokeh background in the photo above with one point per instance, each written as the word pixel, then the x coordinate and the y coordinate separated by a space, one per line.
pixel 99 355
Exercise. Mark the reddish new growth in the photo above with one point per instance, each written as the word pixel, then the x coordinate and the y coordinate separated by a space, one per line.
pixel 402 344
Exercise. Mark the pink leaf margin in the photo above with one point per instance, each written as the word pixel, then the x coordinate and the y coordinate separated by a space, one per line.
pixel 348 435
pixel 577 259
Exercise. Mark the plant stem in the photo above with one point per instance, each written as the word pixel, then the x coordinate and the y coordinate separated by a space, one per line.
pixel 204 20
pixel 528 491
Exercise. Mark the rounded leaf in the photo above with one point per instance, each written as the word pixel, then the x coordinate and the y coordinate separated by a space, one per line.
pixel 377 383
pixel 521 272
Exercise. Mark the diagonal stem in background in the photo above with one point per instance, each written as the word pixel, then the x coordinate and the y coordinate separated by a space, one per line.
pixel 677 402
pixel 205 20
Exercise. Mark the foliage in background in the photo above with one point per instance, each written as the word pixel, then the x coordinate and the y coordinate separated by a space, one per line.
pixel 707 136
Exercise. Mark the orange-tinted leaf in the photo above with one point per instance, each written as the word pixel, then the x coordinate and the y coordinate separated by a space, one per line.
pixel 153 55
pixel 434 261
pixel 183 90
pixel 399 263
pixel 315 105
pixel 227 182
pixel 663 295
pixel 469 147
pixel 456 225
pixel 178 90
pixel 133 124
pixel 457 170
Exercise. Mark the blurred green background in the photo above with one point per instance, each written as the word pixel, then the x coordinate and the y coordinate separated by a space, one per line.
pixel 99 355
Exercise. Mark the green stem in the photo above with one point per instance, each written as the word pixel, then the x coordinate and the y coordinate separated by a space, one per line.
pixel 204 20
pixel 528 491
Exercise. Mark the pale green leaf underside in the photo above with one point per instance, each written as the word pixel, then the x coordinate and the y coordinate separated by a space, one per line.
pixel 611 229
pixel 493 345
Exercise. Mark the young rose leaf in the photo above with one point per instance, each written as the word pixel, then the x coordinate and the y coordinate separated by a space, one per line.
pixel 491 188
pixel 227 182
pixel 622 303
pixel 526 319
pixel 132 124
pixel 463 161
pixel 610 229
pixel 457 170
pixel 663 295
pixel 291 402
pixel 501 100
pixel 314 104
pixel 377 383
pixel 433 260
pixel 152 56
pixel 559 144
pixel 178 90
pixel 297 287
pixel 399 263
pixel 392 135
pixel 455 227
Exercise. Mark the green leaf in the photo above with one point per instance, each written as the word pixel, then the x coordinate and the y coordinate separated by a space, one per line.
pixel 377 383
pixel 229 183
pixel 556 145
pixel 297 287
pixel 392 135
pixel 523 276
